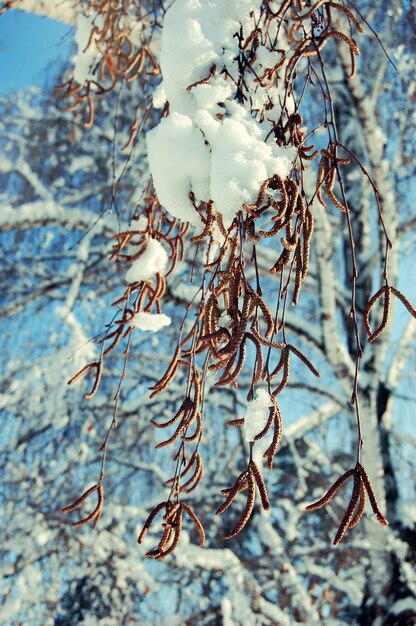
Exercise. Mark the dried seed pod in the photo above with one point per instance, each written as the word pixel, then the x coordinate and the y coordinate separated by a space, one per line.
pixel 266 342
pixel 192 483
pixel 198 430
pixel 117 337
pixel 236 422
pixel 258 369
pixel 229 377
pixel 307 236
pixel 181 428
pixel 329 186
pixel 172 509
pixel 187 468
pixel 284 363
pixel 184 409
pixel 173 527
pixel 350 15
pixel 258 300
pixel 323 171
pixel 135 64
pixel 212 71
pixel 268 424
pixel 336 34
pixel 298 275
pixel 209 223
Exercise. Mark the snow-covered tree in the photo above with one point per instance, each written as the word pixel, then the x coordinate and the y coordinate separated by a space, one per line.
pixel 266 258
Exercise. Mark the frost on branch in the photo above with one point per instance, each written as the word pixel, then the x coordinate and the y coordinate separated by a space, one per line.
pixel 237 173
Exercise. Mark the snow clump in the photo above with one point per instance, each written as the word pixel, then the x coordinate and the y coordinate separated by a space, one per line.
pixel 256 415
pixel 153 260
pixel 150 321
pixel 210 144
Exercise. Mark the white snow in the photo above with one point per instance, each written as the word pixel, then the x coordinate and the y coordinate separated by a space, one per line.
pixel 159 96
pixel 227 612
pixel 405 604
pixel 84 162
pixel 256 415
pixel 224 320
pixel 53 9
pixel 85 60
pixel 179 163
pixel 138 224
pixel 150 321
pixel 153 260
pixel 241 161
pixel 211 144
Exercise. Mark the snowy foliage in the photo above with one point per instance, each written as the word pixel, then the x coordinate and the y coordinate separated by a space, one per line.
pixel 70 184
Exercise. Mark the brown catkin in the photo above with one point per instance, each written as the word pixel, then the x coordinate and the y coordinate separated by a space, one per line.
pixel 197 523
pixel 232 492
pixel 371 495
pixel 404 300
pixel 260 485
pixel 245 516
pixel 277 436
pixel 359 512
pixel 150 519
pixel 331 491
pixel 349 513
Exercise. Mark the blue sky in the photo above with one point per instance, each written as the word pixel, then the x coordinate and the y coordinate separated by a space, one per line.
pixel 28 45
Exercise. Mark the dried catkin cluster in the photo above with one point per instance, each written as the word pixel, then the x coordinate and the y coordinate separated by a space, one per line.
pixel 120 52
pixel 233 321
pixel 356 505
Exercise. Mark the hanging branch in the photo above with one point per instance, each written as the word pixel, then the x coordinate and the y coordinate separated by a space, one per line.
pixel 234 332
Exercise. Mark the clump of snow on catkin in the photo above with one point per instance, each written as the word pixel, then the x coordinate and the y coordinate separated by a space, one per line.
pixel 225 320
pixel 241 161
pixel 150 321
pixel 256 415
pixel 179 164
pixel 210 144
pixel 153 260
